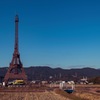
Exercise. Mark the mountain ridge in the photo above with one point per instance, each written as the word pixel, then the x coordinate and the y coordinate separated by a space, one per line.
pixel 47 73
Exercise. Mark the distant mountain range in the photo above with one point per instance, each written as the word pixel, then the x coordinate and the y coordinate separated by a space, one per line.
pixel 47 73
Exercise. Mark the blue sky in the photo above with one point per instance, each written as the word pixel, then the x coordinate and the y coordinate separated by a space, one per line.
pixel 56 33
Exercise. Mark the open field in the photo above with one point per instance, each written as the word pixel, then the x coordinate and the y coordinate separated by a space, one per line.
pixel 31 96
pixel 89 92
pixel 82 92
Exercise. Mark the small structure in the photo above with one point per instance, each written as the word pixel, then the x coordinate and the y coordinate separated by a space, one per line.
pixel 62 85
pixel 3 83
pixel 69 87
pixel 84 80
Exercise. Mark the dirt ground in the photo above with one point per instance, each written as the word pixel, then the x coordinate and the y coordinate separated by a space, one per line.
pixel 82 92
pixel 88 92
pixel 88 96
pixel 31 96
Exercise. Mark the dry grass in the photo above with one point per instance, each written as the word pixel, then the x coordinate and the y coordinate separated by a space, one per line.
pixel 88 92
pixel 88 96
pixel 83 92
pixel 31 96
pixel 70 96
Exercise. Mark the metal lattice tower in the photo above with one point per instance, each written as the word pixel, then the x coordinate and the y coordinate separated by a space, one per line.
pixel 15 70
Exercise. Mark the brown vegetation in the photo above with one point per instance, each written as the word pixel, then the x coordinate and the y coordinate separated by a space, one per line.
pixel 88 92
pixel 70 96
pixel 82 92
pixel 31 96
pixel 95 80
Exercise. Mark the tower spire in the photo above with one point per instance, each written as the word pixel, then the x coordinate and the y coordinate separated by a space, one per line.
pixel 16 34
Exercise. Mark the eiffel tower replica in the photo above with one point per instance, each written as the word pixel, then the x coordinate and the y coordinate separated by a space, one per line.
pixel 15 70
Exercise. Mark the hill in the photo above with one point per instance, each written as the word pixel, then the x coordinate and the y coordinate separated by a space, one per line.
pixel 48 73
